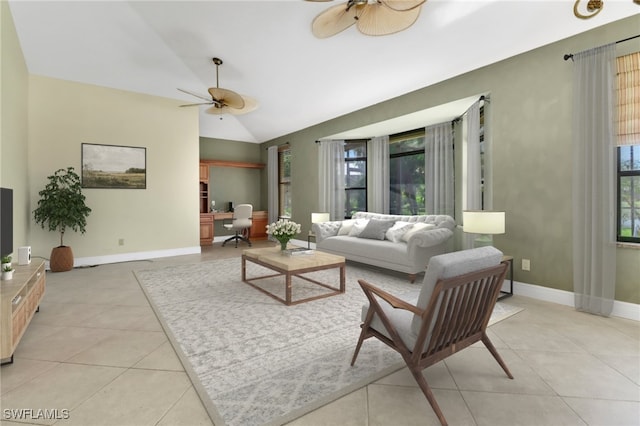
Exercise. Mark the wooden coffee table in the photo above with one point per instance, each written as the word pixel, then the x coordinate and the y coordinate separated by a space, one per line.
pixel 293 266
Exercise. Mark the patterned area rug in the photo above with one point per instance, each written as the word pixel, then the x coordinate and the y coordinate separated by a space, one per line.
pixel 255 361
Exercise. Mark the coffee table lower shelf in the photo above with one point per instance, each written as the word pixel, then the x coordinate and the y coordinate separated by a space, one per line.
pixel 292 267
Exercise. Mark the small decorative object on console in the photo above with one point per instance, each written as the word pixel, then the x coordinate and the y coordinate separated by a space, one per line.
pixel 283 230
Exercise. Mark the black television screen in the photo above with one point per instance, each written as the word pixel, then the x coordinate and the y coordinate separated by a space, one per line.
pixel 6 221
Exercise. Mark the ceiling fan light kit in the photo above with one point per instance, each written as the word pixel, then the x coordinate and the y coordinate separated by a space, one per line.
pixel 223 101
pixel 373 18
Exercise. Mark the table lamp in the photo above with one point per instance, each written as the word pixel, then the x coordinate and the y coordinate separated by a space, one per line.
pixel 483 222
pixel 320 217
pixel 316 218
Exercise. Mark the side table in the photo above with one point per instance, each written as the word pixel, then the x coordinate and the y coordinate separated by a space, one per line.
pixel 309 237
pixel 505 294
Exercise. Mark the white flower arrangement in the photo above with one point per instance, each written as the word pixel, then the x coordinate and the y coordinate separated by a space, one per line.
pixel 283 230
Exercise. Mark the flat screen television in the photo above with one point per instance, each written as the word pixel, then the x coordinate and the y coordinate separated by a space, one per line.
pixel 6 221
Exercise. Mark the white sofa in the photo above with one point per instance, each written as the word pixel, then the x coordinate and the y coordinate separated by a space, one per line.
pixel 406 246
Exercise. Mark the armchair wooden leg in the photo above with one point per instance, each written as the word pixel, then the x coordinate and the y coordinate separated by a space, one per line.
pixel 487 342
pixel 426 390
pixel 358 346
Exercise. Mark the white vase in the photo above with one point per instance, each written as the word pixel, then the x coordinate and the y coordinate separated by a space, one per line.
pixel 7 275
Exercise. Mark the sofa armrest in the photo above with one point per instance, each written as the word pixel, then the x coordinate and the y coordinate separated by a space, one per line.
pixel 326 229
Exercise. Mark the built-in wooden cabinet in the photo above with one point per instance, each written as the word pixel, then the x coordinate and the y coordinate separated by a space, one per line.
pixel 259 223
pixel 260 218
pixel 204 188
pixel 19 300
pixel 206 229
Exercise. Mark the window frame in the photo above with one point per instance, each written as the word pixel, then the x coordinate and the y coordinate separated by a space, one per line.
pixel 399 137
pixel 620 174
pixel 284 182
pixel 347 160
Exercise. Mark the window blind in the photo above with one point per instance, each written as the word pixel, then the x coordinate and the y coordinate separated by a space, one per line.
pixel 628 94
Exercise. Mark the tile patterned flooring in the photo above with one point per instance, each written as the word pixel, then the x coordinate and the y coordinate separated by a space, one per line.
pixel 97 350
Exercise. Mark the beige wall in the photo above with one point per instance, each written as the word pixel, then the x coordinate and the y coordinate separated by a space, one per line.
pixel 164 216
pixel 531 107
pixel 13 124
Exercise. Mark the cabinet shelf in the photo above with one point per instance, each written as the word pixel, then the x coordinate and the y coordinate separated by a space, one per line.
pixel 19 301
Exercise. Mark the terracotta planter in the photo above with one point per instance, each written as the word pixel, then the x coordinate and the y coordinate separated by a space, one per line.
pixel 61 259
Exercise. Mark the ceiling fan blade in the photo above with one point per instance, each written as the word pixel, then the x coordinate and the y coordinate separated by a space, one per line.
pixel 250 104
pixel 196 95
pixel 203 103
pixel 334 20
pixel 226 97
pixel 402 5
pixel 377 19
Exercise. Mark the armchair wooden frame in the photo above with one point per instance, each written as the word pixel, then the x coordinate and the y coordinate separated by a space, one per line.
pixel 456 317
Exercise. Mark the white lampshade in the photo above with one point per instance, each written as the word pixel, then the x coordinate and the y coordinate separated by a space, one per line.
pixel 320 217
pixel 483 222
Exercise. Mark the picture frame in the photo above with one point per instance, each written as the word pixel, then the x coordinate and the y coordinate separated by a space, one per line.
pixel 114 166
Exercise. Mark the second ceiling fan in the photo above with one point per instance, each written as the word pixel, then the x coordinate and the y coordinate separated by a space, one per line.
pixel 223 101
pixel 374 18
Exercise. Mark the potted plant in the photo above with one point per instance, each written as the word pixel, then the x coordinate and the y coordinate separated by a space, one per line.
pixel 7 273
pixel 62 206
pixel 6 260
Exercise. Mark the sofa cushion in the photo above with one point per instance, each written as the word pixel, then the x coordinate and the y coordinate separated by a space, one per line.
pixel 376 229
pixel 346 227
pixel 397 231
pixel 395 253
pixel 357 227
pixel 417 227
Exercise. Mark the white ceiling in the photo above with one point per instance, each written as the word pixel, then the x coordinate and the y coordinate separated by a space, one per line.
pixel 269 53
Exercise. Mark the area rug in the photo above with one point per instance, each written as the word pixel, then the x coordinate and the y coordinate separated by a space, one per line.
pixel 255 361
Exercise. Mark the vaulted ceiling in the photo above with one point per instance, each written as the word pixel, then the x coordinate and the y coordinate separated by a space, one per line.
pixel 270 54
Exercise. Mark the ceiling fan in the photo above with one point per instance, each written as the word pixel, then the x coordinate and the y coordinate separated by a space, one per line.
pixel 374 18
pixel 223 101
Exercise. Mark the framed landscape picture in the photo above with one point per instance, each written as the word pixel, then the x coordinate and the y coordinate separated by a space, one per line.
pixel 113 166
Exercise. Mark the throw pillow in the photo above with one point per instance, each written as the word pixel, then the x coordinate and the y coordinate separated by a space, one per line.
pixel 358 227
pixel 346 227
pixel 417 227
pixel 376 229
pixel 397 231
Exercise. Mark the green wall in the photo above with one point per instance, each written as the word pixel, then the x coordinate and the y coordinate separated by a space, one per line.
pixel 530 128
pixel 239 185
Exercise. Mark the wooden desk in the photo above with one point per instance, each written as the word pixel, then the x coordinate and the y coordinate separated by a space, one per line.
pixel 258 230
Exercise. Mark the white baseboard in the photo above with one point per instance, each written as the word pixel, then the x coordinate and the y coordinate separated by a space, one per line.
pixel 620 309
pixel 128 257
pixel 562 297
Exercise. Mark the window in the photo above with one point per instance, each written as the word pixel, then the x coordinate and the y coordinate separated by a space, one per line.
pixel 406 173
pixel 629 193
pixel 284 181
pixel 355 177
pixel 628 158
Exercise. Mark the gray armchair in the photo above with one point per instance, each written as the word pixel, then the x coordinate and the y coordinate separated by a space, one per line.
pixel 449 313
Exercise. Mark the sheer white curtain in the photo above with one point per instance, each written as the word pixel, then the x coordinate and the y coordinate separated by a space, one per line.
pixel 473 178
pixel 378 175
pixel 594 224
pixel 272 183
pixel 331 197
pixel 438 168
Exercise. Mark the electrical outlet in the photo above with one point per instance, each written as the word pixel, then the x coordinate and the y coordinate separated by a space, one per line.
pixel 121 242
pixel 526 265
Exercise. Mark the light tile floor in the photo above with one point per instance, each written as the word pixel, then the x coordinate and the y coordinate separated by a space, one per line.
pixel 97 350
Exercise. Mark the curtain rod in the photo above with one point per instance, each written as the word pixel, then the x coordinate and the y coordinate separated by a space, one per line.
pixel 482 98
pixel 570 55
